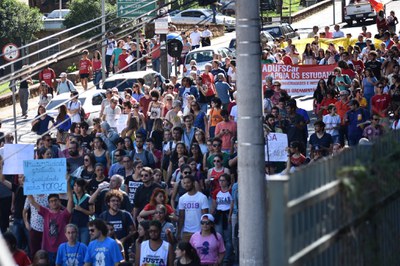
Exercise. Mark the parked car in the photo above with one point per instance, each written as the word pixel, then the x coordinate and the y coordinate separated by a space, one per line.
pixel 55 19
pixel 205 55
pixel 265 37
pixel 279 30
pixel 127 79
pixel 358 11
pixel 90 100
pixel 203 16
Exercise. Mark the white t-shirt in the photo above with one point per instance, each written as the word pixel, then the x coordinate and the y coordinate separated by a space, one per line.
pixel 153 257
pixel 192 205
pixel 207 33
pixel 234 113
pixel 330 122
pixel 110 46
pixel 75 118
pixel 112 115
pixel 195 38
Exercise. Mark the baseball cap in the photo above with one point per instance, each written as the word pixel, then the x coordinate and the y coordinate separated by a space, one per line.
pixel 208 216
pixel 114 89
pixel 63 75
pixel 344 92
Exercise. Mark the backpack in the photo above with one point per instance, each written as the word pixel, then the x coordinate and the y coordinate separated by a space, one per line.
pixel 82 112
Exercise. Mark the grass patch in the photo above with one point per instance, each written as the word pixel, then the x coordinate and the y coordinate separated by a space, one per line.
pixel 4 89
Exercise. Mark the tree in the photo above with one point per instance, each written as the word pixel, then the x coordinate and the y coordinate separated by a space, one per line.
pixel 85 10
pixel 18 21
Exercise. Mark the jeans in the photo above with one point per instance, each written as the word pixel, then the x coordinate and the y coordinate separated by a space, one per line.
pixel 84 235
pixel 35 241
pixel 156 64
pixel 97 77
pixel 52 258
pixel 227 236
pixel 21 233
pixel 23 100
pixel 212 132
pixel 235 240
pixel 5 211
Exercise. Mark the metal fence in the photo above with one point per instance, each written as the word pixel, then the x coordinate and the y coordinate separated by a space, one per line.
pixel 311 222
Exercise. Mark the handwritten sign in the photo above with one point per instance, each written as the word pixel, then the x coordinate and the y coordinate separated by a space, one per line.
pixel 276 148
pixel 14 155
pixel 121 122
pixel 45 176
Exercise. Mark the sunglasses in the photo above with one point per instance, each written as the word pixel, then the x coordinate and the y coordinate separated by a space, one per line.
pixel 217 161
pixel 206 222
pixel 146 175
pixel 216 145
pixel 91 230
pixel 187 172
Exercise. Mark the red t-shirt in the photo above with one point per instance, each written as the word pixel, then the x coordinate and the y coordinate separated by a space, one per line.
pixel 215 183
pixel 287 60
pixel 53 228
pixel 84 66
pixel 144 105
pixel 122 62
pixel 380 103
pixel 47 75
pixel 226 138
pixel 325 103
pixel 208 80
pixel 96 65
pixel 358 66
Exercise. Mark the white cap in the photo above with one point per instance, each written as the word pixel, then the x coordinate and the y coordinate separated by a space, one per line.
pixel 208 216
pixel 63 75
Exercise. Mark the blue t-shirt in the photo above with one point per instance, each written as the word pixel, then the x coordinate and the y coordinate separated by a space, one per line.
pixel 199 121
pixel 368 86
pixel 44 124
pixel 71 256
pixel 103 253
pixel 223 91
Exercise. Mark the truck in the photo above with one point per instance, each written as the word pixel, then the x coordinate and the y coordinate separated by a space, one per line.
pixel 358 11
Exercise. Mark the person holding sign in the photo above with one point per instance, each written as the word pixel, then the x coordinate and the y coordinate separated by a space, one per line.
pixel 55 219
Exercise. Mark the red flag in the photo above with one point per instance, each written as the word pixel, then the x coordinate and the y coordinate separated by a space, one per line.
pixel 377 6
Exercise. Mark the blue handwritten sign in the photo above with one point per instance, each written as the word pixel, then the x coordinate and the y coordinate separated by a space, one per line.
pixel 45 176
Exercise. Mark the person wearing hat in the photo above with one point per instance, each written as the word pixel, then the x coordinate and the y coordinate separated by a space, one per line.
pixel 321 139
pixel 208 243
pixel 64 84
pixel 355 119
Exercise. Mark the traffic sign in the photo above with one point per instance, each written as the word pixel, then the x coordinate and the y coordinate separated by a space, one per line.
pixel 10 52
pixel 134 8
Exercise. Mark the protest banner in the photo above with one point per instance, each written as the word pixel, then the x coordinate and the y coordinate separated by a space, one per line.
pixel 14 155
pixel 45 176
pixel 121 122
pixel 275 147
pixel 297 79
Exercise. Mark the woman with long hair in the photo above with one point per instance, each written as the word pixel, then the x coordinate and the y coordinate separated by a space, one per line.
pixel 159 196
pixel 155 109
pixel 128 146
pixel 100 153
pixel 179 151
pixel 319 94
pixel 308 56
pixel 200 138
pixel 97 67
pixel 131 129
pixel 86 171
pixel 215 116
pixel 215 248
pixel 200 117
pixel 137 93
pixel 63 124
pixel 368 84
pixel 186 255
pixel 157 133
pixel 320 55
pixel 215 173
pixel 196 154
pixel 294 55
pixel 40 124
pixel 82 210
pixel 45 95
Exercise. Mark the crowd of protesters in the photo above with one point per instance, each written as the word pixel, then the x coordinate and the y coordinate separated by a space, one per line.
pixel 169 178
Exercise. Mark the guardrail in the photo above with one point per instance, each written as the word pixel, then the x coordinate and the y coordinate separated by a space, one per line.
pixel 312 222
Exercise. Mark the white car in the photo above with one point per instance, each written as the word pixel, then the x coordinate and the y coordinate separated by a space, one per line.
pixel 90 100
pixel 127 79
pixel 203 16
pixel 55 19
pixel 205 55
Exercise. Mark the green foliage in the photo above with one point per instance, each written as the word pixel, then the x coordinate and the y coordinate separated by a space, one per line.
pixel 85 10
pixel 72 68
pixel 18 21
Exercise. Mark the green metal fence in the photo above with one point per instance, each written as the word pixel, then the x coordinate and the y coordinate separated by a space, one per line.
pixel 311 221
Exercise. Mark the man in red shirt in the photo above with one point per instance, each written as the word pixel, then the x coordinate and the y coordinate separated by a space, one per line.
pixel 380 102
pixel 155 54
pixel 85 68
pixel 287 60
pixel 49 76
pixel 122 64
pixel 226 130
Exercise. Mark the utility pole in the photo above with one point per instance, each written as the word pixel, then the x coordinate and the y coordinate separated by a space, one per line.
pixel 103 48
pixel 251 164
pixel 163 44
